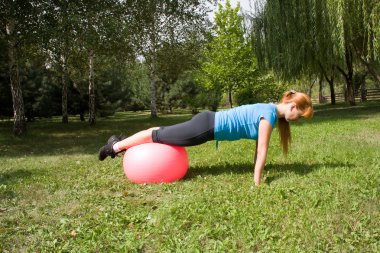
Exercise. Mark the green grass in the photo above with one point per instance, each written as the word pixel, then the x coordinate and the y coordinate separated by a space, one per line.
pixel 55 196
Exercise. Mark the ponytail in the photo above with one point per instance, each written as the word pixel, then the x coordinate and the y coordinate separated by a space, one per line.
pixel 285 135
pixel 304 104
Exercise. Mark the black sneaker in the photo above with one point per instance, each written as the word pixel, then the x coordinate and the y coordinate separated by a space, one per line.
pixel 107 150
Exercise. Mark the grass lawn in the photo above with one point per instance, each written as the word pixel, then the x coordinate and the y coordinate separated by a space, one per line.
pixel 55 196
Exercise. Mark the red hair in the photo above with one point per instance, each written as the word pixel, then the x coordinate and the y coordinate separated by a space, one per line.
pixel 303 103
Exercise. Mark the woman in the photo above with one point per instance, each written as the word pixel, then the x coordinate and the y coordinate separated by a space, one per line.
pixel 254 121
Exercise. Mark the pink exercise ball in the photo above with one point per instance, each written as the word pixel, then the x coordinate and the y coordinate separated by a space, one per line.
pixel 155 163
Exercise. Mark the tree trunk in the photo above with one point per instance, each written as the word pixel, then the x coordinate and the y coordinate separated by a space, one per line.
pixel 65 118
pixel 332 90
pixel 331 86
pixel 350 92
pixel 363 92
pixel 321 98
pixel 330 81
pixel 19 125
pixel 230 97
pixel 349 77
pixel 153 90
pixel 152 75
pixel 371 70
pixel 153 65
pixel 91 89
pixel 310 88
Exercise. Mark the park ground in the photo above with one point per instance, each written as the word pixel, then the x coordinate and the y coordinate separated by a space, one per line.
pixel 55 196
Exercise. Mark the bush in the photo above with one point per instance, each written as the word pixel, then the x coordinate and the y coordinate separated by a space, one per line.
pixel 263 89
pixel 186 92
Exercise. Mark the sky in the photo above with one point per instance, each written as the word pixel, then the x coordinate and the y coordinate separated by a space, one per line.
pixel 244 4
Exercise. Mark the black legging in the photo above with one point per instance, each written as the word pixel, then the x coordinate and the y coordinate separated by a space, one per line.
pixel 198 130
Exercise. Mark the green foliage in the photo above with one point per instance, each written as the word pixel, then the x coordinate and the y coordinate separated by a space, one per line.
pixel 159 26
pixel 184 93
pixel 294 37
pixel 374 28
pixel 114 91
pixel 303 38
pixel 68 35
pixel 264 88
pixel 56 197
pixel 228 59
pixel 187 93
pixel 175 64
pixel 138 74
pixel 42 93
pixel 353 23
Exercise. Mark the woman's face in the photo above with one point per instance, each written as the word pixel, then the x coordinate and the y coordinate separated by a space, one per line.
pixel 292 113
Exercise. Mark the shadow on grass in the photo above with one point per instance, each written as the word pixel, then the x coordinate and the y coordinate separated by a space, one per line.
pixel 337 112
pixel 11 177
pixel 276 170
pixel 279 170
pixel 50 137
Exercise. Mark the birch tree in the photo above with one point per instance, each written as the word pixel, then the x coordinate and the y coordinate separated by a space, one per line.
pixel 155 23
pixel 60 40
pixel 18 21
pixel 100 33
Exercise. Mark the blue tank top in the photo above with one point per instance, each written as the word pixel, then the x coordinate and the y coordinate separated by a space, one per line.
pixel 243 122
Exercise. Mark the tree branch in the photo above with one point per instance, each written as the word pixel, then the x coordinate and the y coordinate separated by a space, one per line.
pixel 324 73
pixel 342 71
pixel 370 69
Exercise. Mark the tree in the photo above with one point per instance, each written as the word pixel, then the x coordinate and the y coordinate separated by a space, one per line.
pixel 18 24
pixel 59 41
pixel 157 22
pixel 100 29
pixel 309 37
pixel 140 98
pixel 365 30
pixel 174 59
pixel 186 92
pixel 18 103
pixel 344 22
pixel 67 36
pixel 293 38
pixel 229 61
pixel 354 29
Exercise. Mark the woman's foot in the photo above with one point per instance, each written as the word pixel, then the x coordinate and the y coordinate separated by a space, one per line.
pixel 107 150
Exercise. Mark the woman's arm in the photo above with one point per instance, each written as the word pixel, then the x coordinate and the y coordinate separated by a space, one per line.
pixel 262 144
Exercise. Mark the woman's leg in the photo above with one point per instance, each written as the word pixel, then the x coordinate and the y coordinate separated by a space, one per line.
pixel 115 144
pixel 198 130
pixel 144 136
